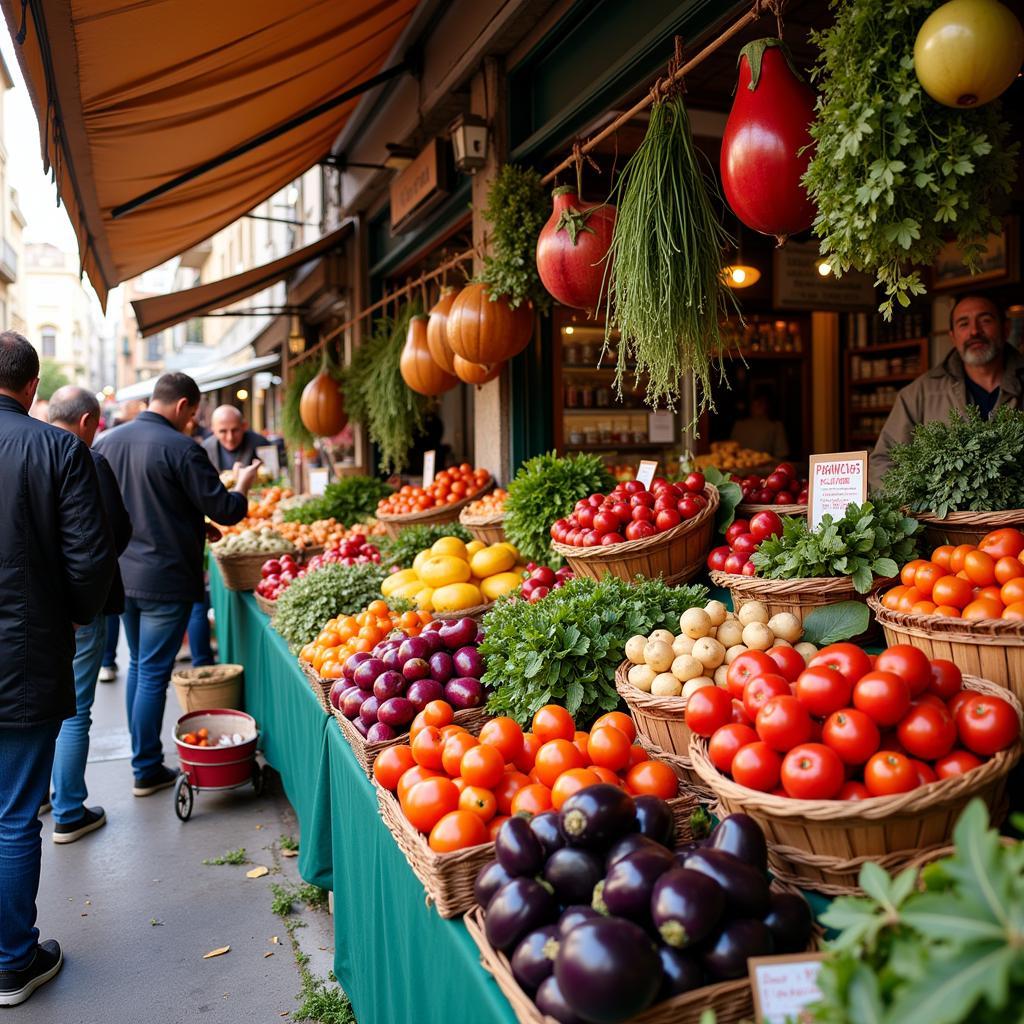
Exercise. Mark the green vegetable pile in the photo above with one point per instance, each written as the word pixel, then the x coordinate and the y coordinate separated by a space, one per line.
pixel 304 608
pixel 399 551
pixel 566 648
pixel 951 954
pixel 545 489
pixel 349 500
pixel 869 540
pixel 966 465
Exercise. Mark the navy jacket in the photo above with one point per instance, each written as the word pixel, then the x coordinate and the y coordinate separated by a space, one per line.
pixel 120 524
pixel 56 562
pixel 168 486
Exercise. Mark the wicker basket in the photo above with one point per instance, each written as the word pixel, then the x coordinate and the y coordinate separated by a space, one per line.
pixel 966 527
pixel 677 555
pixel 745 510
pixel 990 648
pixel 266 606
pixel 208 687
pixel 448 878
pixel 321 687
pixel 823 844
pixel 430 516
pixel 242 572
pixel 488 529
pixel 476 611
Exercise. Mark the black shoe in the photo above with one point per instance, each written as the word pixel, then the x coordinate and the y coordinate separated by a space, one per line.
pixel 92 819
pixel 17 986
pixel 159 778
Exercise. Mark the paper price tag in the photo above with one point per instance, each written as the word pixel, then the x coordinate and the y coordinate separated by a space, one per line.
pixel 317 482
pixel 645 474
pixel 429 467
pixel 267 454
pixel 834 482
pixel 784 986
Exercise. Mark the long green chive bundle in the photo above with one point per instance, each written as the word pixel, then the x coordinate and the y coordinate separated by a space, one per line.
pixel 665 289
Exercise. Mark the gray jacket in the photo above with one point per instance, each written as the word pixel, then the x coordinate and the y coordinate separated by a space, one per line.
pixel 244 453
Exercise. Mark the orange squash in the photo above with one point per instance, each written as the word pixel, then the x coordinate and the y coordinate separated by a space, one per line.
pixel 486 331
pixel 322 407
pixel 476 373
pixel 417 366
pixel 437 330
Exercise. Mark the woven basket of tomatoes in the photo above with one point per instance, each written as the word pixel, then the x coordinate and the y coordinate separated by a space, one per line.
pixel 968 527
pixel 445 795
pixel 485 517
pixel 452 490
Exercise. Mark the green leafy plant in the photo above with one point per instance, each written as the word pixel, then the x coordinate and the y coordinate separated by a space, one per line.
pixel 398 552
pixel 516 209
pixel 895 175
pixel 966 465
pixel 545 489
pixel 348 500
pixel 832 623
pixel 566 648
pixel 951 954
pixel 231 857
pixel 729 496
pixel 869 540
pixel 51 377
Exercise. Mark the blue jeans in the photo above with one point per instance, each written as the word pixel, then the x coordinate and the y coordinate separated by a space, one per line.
pixel 26 759
pixel 154 630
pixel 69 790
pixel 110 650
pixel 199 634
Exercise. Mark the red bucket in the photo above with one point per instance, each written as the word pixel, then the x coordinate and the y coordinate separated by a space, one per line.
pixel 215 767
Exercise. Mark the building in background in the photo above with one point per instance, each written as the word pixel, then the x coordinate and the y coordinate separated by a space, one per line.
pixel 11 223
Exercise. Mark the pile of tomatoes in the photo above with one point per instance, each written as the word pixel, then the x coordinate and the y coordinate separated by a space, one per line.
pixel 449 486
pixel 850 725
pixel 781 486
pixel 458 789
pixel 965 582
pixel 742 539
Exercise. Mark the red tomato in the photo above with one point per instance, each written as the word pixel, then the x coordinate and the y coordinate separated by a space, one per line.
pixel 760 690
pixel 739 714
pixel 822 690
pixel 925 772
pixel 747 666
pixel 765 524
pixel 790 662
pixel 957 701
pixel 852 734
pixel 987 724
pixel 946 680
pixel 927 732
pixel 909 663
pixel 782 723
pixel 956 762
pixel 847 659
pixel 708 709
pixel 854 791
pixel 882 695
pixel 723 746
pixel 812 771
pixel 757 766
pixel 888 772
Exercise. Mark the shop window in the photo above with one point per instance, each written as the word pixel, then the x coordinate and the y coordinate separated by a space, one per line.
pixel 48 342
pixel 155 348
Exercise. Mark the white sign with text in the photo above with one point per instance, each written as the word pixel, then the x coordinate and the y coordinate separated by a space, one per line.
pixel 834 482
pixel 317 482
pixel 645 474
pixel 784 986
pixel 429 467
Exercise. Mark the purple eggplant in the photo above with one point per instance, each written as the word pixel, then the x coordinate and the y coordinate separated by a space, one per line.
pixel 686 906
pixel 534 958
pixel 627 845
pixel 545 828
pixel 598 815
pixel 516 909
pixel 380 732
pixel 396 712
pixel 413 648
pixel 352 662
pixel 627 888
pixel 388 684
pixel 654 819
pixel 422 692
pixel 745 888
pixel 489 880
pixel 468 662
pixel 573 873
pixel 575 914
pixel 517 849
pixel 550 1001
pixel 458 633
pixel 463 692
pixel 680 973
pixel 790 922
pixel 608 970
pixel 366 673
pixel 725 954
pixel 741 836
pixel 441 667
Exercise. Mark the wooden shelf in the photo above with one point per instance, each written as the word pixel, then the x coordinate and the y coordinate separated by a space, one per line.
pixel 586 368
pixel 612 446
pixel 888 346
pixel 747 354
pixel 870 412
pixel 892 378
pixel 596 410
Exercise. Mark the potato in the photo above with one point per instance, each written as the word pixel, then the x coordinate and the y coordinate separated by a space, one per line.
pixel 806 650
pixel 734 652
pixel 717 612
pixel 666 685
pixel 752 611
pixel 663 635
pixel 658 655
pixel 691 687
pixel 695 623
pixel 683 645
pixel 709 652
pixel 635 649
pixel 721 675
pixel 779 642
pixel 641 676
pixel 757 636
pixel 730 633
pixel 687 667
pixel 787 626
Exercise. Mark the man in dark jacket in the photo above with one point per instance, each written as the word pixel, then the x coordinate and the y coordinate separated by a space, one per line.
pixel 56 563
pixel 168 487
pixel 76 410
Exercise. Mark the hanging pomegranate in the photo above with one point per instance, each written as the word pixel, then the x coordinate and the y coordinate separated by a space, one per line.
pixel 437 330
pixel 572 247
pixel 476 373
pixel 417 366
pixel 763 148
pixel 321 406
pixel 483 330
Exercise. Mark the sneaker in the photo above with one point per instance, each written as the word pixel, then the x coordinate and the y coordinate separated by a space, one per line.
pixel 108 673
pixel 160 778
pixel 17 986
pixel 92 819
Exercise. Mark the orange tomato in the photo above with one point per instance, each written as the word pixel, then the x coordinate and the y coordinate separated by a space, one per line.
pixel 619 721
pixel 1000 543
pixel 991 593
pixel 419 723
pixel 417 773
pixel 391 764
pixel 378 608
pixel 1008 568
pixel 909 571
pixel 980 568
pixel 1012 591
pixel 457 830
pixel 947 610
pixel 1014 611
pixel 531 744
pixel 580 740
pixel 607 775
pixel 428 748
pixel 504 791
pixel 952 590
pixel 552 722
pixel 494 825
pixel 909 598
pixel 925 577
pixel 479 801
pixel 941 555
pixel 652 778
pixel 609 748
pixel 482 766
pixel 959 556
pixel 891 598
pixel 438 713
pixel 571 782
pixel 923 608
pixel 455 749
pixel 460 784
pixel 532 799
pixel 984 608
pixel 637 755
pixel 505 736
pixel 452 729
pixel 555 757
pixel 429 801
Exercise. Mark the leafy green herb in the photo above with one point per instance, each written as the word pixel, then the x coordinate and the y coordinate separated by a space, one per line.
pixel 896 174
pixel 348 500
pixel 966 465
pixel 231 857
pixel 868 541
pixel 729 496
pixel 411 540
pixel 545 489
pixel 832 623
pixel 566 648
pixel 304 608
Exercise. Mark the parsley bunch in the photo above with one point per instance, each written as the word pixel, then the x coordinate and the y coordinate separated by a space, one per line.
pixel 348 500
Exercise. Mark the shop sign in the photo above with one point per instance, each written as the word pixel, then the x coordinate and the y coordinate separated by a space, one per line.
pixel 645 474
pixel 429 467
pixel 267 454
pixel 420 187
pixel 834 482
pixel 784 986
pixel 317 482
pixel 797 282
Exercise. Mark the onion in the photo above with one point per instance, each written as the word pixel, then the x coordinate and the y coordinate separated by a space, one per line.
pixel 396 712
pixel 423 691
pixel 353 702
pixel 352 663
pixel 380 733
pixel 458 633
pixel 368 711
pixel 463 692
pixel 415 668
pixel 389 684
pixel 413 647
pixel 467 662
pixel 366 673
pixel 441 667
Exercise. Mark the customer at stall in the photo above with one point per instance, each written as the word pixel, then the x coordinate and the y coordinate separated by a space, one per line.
pixel 76 410
pixel 231 441
pixel 982 370
pixel 760 430
pixel 168 486
pixel 56 565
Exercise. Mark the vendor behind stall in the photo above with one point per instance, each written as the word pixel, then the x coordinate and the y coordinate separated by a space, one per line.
pixel 982 370
pixel 231 441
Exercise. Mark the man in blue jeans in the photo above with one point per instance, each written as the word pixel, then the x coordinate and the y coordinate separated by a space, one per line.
pixel 168 486
pixel 76 410
pixel 56 565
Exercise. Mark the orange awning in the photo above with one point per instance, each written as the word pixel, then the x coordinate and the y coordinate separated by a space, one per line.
pixel 131 95
pixel 162 311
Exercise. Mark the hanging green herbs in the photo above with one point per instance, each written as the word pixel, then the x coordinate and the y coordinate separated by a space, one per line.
pixel 895 174
pixel 665 289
